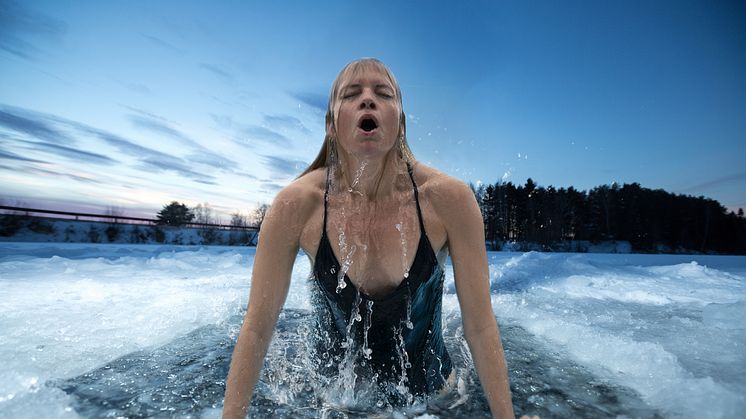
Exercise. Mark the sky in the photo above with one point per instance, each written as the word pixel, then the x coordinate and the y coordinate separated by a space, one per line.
pixel 132 105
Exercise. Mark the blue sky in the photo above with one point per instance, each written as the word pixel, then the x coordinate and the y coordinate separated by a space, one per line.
pixel 134 104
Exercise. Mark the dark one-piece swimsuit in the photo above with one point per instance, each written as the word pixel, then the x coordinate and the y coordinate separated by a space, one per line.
pixel 396 351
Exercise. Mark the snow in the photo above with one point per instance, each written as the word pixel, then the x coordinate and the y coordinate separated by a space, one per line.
pixel 668 327
pixel 583 246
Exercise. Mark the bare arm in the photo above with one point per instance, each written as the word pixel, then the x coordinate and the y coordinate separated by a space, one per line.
pixel 270 281
pixel 459 211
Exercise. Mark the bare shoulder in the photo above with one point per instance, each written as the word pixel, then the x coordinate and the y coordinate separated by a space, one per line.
pixel 296 202
pixel 303 188
pixel 446 194
pixel 455 208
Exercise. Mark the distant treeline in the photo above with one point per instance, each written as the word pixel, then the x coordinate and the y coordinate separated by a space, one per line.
pixel 651 220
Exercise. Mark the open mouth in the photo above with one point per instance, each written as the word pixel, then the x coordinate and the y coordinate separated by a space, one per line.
pixel 368 124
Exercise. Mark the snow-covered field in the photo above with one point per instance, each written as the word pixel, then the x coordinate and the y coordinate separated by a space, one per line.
pixel 96 330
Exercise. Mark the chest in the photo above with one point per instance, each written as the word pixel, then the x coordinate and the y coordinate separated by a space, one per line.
pixel 375 243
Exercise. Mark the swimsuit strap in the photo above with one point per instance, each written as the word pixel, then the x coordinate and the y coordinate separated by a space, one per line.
pixel 326 198
pixel 416 198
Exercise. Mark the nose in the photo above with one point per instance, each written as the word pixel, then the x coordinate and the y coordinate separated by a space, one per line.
pixel 366 101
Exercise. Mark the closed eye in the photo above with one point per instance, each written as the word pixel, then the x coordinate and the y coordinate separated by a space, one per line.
pixel 385 92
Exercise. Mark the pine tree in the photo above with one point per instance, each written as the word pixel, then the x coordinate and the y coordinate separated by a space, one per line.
pixel 175 214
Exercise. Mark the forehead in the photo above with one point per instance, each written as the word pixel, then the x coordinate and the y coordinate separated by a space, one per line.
pixel 365 73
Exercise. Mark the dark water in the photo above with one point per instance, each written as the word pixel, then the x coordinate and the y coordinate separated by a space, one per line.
pixel 187 376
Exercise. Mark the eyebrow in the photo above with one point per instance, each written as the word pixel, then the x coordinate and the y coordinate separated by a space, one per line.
pixel 358 85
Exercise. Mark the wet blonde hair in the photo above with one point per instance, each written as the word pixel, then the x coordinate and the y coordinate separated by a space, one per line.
pixel 328 153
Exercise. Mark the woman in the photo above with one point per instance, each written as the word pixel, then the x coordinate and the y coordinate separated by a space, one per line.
pixel 378 226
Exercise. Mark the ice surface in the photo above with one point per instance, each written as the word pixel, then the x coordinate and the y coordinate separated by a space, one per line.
pixel 664 335
pixel 671 332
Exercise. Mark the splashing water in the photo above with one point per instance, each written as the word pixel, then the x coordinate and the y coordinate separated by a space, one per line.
pixel 408 320
pixel 346 264
pixel 367 352
pixel 358 175
pixel 354 317
pixel 403 240
pixel 347 256
pixel 404 363
pixel 347 376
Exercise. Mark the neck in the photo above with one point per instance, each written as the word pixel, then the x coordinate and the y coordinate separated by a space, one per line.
pixel 371 177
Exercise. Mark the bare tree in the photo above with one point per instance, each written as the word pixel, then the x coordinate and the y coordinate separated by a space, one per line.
pixel 239 235
pixel 203 214
pixel 114 213
pixel 259 213
pixel 239 220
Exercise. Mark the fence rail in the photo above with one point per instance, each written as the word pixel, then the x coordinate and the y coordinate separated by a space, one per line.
pixel 115 218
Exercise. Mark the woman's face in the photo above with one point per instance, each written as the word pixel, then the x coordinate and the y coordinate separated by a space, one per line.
pixel 367 113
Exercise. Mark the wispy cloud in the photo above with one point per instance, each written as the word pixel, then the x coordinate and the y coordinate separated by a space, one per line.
pixel 38 126
pixel 202 154
pixel 62 174
pixel 222 121
pixel 177 165
pixel 136 87
pixel 713 183
pixel 211 159
pixel 161 43
pixel 221 73
pixel 282 168
pixel 316 101
pixel 35 125
pixel 123 145
pixel 42 126
pixel 258 133
pixel 22 28
pixel 270 187
pixel 246 175
pixel 157 126
pixel 286 122
pixel 7 155
pixel 71 153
